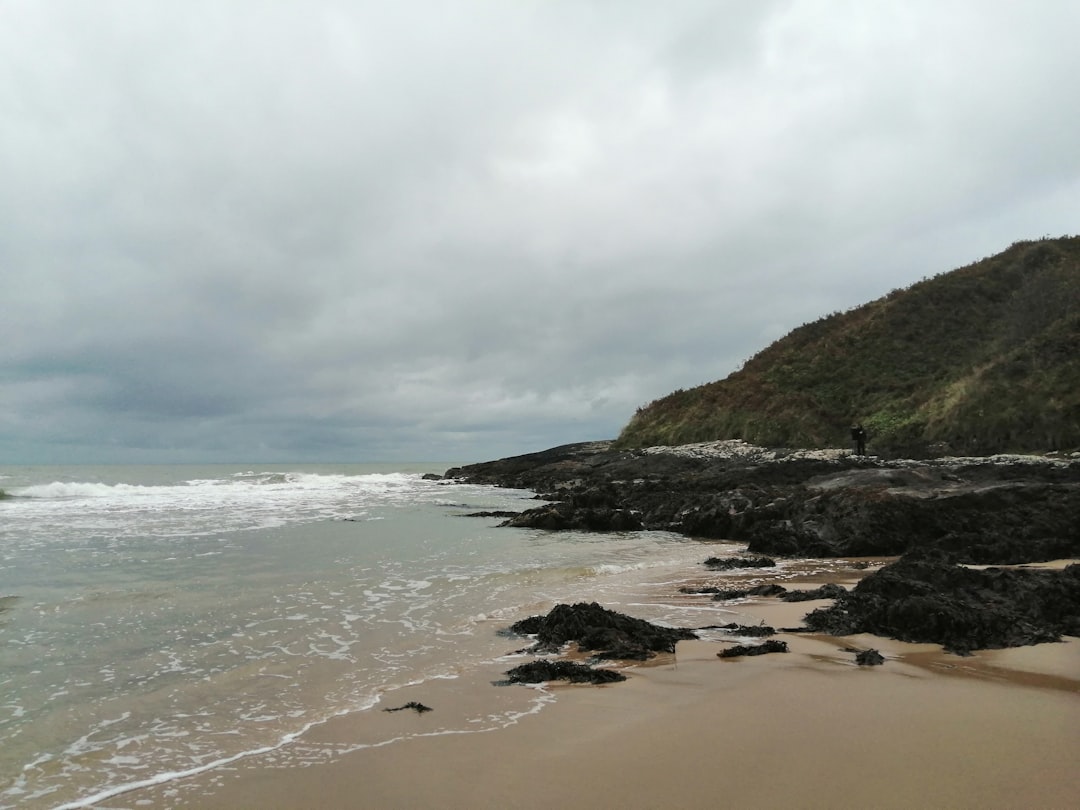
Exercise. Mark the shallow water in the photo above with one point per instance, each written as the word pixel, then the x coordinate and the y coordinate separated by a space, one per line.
pixel 167 620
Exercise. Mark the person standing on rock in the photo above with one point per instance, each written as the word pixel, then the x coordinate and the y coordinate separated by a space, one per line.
pixel 858 434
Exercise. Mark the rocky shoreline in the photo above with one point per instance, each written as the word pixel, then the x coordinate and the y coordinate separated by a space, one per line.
pixel 941 517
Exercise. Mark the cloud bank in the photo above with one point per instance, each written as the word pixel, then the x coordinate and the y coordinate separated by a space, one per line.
pixel 370 231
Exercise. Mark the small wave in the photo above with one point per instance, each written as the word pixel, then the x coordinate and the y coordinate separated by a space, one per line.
pixel 82 489
pixel 622 568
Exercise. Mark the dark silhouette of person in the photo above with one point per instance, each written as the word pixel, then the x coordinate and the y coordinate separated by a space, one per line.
pixel 858 434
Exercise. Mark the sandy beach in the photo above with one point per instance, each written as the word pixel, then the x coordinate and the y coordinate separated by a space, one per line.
pixel 806 729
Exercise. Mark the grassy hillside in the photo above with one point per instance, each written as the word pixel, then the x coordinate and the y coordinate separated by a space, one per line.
pixel 979 360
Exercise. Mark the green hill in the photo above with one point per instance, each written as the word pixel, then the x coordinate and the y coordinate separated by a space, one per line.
pixel 983 359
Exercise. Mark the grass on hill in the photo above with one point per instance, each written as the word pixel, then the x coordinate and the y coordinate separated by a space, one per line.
pixel 978 360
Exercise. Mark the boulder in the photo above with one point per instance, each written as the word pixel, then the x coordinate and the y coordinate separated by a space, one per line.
pixel 595 628
pixel 541 671
pixel 869 658
pixel 770 646
pixel 926 597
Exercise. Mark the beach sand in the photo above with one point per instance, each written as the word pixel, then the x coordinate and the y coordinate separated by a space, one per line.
pixel 806 729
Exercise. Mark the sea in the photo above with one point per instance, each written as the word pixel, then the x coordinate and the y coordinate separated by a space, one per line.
pixel 160 622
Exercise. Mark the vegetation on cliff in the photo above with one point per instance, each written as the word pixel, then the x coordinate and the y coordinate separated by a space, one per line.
pixel 979 360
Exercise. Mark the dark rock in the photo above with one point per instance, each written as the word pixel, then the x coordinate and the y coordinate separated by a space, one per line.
pixel 993 513
pixel 563 516
pixel 594 628
pixel 869 658
pixel 419 708
pixel 431 477
pixel 729 563
pixel 734 593
pixel 495 513
pixel 528 627
pixel 770 589
pixel 989 511
pixel 705 589
pixel 1000 522
pixel 541 671
pixel 756 630
pixel 770 646
pixel 827 591
pixel 928 598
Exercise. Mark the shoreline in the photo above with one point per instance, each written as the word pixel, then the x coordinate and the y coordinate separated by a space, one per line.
pixel 809 728
pixel 805 729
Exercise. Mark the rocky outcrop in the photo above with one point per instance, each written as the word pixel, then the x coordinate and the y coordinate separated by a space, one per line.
pixel 543 671
pixel 869 658
pixel 597 629
pixel 768 589
pixel 739 650
pixel 730 563
pixel 938 513
pixel 997 510
pixel 928 598
pixel 1007 522
pixel 752 630
pixel 560 516
pixel 827 591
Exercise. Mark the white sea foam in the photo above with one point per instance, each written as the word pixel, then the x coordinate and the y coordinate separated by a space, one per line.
pixel 183 624
pixel 83 489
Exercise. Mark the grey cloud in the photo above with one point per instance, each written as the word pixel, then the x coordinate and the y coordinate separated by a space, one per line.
pixel 342 230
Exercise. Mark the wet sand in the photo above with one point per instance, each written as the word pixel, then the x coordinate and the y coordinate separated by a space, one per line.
pixel 806 729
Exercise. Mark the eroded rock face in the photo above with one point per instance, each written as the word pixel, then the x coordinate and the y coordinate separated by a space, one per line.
pixel 597 629
pixel 937 513
pixel 1023 521
pixel 927 598
pixel 999 510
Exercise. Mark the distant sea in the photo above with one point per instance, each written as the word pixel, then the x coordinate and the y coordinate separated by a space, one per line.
pixel 162 621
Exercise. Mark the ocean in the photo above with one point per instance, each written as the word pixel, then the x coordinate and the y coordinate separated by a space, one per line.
pixel 158 622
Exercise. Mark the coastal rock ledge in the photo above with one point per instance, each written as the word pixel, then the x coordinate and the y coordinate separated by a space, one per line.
pixel 944 514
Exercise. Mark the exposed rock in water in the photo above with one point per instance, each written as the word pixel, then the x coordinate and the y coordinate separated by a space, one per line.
pixel 869 658
pixel 595 628
pixel 770 646
pixel 769 589
pixel 761 630
pixel 560 516
pixel 729 563
pixel 541 671
pixel 722 594
pixel 827 591
pixel 927 598
pixel 732 593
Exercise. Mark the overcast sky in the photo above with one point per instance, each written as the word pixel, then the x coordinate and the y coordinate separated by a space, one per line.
pixel 354 231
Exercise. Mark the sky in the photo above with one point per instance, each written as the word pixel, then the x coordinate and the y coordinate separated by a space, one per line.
pixel 363 231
